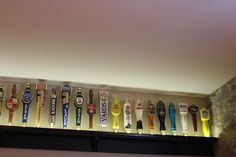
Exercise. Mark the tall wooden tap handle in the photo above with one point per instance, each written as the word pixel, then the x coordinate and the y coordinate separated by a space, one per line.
pixel 91 96
pixel 13 91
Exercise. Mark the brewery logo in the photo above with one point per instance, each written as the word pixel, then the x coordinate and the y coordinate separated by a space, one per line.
pixel 79 101
pixel 193 108
pixel 103 107
pixel 12 104
pixel 25 112
pixel 205 114
pixel 27 97
pixel 53 105
pixel 151 109
pixel 65 115
pixel 91 108
pixel 161 109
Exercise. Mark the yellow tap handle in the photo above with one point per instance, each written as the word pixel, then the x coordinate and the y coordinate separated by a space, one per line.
pixel 38 114
pixel 115 110
pixel 205 128
pixel 205 117
pixel 115 122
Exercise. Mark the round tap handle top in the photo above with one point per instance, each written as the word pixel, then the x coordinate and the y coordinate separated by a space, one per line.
pixel 193 109
pixel 205 114
pixel 79 100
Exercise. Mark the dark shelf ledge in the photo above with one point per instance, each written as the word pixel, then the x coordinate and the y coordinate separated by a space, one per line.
pixel 94 141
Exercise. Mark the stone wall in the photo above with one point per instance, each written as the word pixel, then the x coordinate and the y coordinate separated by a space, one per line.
pixel 222 104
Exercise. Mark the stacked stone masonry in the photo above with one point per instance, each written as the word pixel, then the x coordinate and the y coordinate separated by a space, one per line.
pixel 222 104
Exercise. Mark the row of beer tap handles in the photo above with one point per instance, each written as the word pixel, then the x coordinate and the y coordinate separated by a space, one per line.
pixel 12 105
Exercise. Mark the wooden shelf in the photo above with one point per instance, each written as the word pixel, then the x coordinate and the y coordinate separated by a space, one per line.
pixel 93 141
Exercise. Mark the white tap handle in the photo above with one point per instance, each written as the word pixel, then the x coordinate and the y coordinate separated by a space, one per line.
pixel 127 116
pixel 183 108
pixel 184 122
pixel 139 111
pixel 139 116
pixel 103 97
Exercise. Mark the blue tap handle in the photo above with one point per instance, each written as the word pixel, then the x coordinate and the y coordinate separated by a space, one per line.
pixel 65 94
pixel 25 113
pixel 65 111
pixel 26 100
pixel 172 114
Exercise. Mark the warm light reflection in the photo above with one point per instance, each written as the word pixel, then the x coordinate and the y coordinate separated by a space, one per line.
pixel 51 125
pixel 163 132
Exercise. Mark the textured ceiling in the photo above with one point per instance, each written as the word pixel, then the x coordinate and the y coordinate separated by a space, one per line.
pixel 186 46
